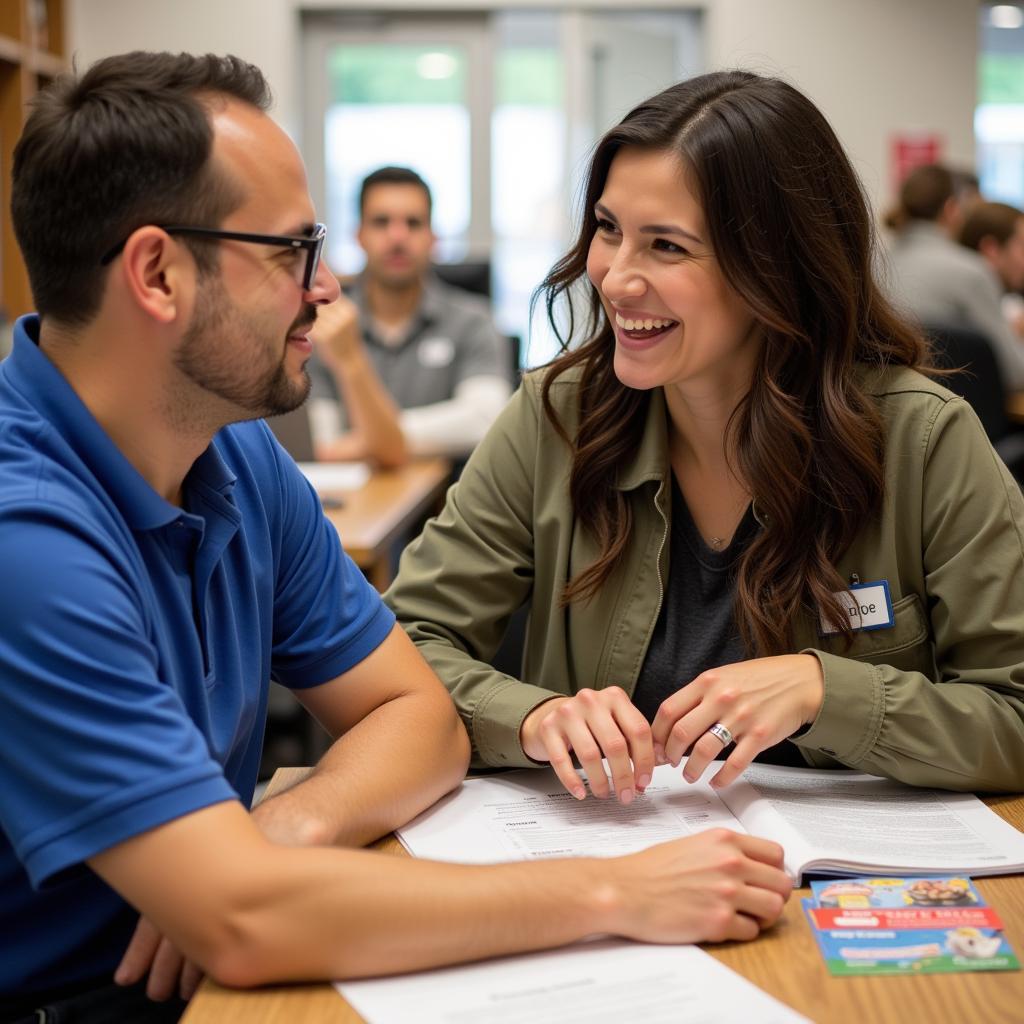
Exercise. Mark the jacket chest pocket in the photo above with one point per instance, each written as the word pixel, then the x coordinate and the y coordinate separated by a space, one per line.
pixel 906 645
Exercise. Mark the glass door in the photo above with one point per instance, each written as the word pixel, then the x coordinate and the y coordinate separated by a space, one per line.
pixel 412 93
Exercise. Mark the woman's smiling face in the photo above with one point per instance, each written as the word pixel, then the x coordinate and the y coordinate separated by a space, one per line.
pixel 675 318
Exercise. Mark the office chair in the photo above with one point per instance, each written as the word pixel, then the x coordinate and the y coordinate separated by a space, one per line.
pixel 471 276
pixel 475 277
pixel 980 384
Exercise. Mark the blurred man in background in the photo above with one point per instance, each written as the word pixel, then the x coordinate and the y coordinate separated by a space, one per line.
pixel 434 348
pixel 996 232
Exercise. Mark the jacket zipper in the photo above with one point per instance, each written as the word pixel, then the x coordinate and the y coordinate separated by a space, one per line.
pixel 661 548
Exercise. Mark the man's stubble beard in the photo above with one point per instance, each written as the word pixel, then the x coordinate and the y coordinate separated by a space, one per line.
pixel 218 357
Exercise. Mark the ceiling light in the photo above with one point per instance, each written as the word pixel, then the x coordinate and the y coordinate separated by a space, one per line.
pixel 438 65
pixel 1005 16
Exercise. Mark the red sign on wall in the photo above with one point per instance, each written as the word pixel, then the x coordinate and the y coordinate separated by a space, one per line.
pixel 910 150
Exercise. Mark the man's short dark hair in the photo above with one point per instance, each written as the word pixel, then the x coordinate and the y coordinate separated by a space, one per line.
pixel 989 220
pixel 126 144
pixel 393 176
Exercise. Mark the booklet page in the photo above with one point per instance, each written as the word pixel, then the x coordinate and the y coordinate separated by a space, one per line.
pixel 855 820
pixel 527 814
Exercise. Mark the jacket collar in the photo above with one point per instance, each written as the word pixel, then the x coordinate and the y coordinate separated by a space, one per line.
pixel 651 461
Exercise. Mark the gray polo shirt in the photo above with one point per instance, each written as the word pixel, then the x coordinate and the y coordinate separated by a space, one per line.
pixel 451 338
pixel 943 284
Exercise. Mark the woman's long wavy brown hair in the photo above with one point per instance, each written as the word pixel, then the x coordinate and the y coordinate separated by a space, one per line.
pixel 789 225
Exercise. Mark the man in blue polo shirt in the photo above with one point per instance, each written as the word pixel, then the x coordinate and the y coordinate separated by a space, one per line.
pixel 154 582
pixel 163 560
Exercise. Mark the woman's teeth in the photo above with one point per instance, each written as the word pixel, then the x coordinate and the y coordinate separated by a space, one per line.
pixel 641 325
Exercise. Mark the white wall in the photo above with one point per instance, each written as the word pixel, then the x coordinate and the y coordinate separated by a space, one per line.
pixel 876 67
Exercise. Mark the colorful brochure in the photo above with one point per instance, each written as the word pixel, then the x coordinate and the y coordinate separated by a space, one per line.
pixel 926 925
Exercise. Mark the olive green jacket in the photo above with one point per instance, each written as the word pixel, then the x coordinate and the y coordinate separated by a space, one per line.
pixel 935 700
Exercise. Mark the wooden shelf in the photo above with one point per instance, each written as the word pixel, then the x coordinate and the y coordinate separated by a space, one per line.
pixel 11 50
pixel 31 53
pixel 48 65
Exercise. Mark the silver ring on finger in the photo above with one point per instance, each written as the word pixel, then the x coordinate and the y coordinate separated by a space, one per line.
pixel 721 733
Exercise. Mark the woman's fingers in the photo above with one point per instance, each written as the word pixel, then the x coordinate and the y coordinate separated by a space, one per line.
pixel 561 761
pixel 599 725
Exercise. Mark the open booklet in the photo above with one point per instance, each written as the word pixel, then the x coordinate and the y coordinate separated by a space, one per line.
pixel 828 822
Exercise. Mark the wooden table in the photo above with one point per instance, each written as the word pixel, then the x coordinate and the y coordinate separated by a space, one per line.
pixel 372 517
pixel 784 961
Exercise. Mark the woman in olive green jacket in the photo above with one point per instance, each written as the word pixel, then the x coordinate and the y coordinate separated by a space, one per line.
pixel 745 524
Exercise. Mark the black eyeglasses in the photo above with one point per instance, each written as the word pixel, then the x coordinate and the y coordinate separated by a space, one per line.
pixel 313 244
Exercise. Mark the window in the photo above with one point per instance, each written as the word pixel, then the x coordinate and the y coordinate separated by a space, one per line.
pixel 999 119
pixel 496 110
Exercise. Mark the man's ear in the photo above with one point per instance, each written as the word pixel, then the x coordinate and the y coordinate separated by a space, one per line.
pixel 158 272
pixel 949 215
pixel 990 248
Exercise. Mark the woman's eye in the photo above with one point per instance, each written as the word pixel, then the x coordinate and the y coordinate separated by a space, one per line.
pixel 664 245
pixel 603 224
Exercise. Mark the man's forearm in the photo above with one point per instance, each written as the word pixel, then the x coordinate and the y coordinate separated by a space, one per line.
pixel 350 914
pixel 454 427
pixel 383 772
pixel 251 912
pixel 372 414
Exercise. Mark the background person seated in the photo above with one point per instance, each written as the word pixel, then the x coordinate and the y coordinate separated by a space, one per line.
pixel 434 348
pixel 939 282
pixel 996 232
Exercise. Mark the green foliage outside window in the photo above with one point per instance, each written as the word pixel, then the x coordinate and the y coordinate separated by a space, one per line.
pixel 528 76
pixel 1000 78
pixel 392 74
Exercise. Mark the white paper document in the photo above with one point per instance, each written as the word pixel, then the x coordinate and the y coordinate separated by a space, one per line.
pixel 526 814
pixel 604 982
pixel 327 477
pixel 827 821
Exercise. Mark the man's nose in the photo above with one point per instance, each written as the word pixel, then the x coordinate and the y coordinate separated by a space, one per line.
pixel 398 230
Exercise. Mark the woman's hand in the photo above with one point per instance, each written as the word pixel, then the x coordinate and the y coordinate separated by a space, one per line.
pixel 594 724
pixel 760 702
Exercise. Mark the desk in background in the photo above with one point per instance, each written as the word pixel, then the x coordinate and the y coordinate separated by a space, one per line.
pixel 371 518
pixel 784 962
pixel 376 514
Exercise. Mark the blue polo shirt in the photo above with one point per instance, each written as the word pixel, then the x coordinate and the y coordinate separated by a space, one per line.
pixel 137 643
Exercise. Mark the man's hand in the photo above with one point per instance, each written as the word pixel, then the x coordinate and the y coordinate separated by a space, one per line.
pixel 715 886
pixel 149 952
pixel 336 333
pixel 375 429
pixel 761 702
pixel 594 724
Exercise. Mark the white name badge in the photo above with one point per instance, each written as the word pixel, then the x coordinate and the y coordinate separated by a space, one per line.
pixel 868 605
pixel 436 351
